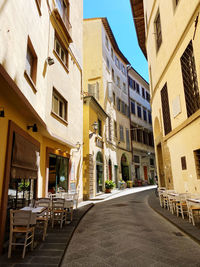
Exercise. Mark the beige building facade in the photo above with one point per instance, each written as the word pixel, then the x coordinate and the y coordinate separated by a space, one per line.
pixel 41 104
pixel 168 36
pixel 105 78
pixel 144 165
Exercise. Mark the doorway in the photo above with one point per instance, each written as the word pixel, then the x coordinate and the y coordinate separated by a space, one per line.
pixel 110 169
pixel 145 173
pixel 99 173
pixel 124 168
pixel 160 166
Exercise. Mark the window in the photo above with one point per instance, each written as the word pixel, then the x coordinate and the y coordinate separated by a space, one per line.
pixel 118 104
pixel 117 62
pixel 123 70
pixel 63 7
pixel 112 55
pixel 145 138
pixel 113 75
pixel 124 87
pixel 132 107
pixel 31 62
pixel 107 44
pixel 139 135
pixel 137 87
pixel 121 133
pixel 115 126
pixel 109 129
pixel 136 159
pixel 165 110
pixel 183 163
pixel 93 90
pixel 158 31
pixel 144 114
pixel 107 63
pixel 197 162
pixel 149 117
pixel 114 99
pixel 123 107
pixel 143 93
pixel 147 96
pixel 133 133
pixel 127 139
pixel 151 162
pixel 139 111
pixel 59 105
pixel 151 139
pixel 190 82
pixel 99 127
pixel 61 52
pixel 118 81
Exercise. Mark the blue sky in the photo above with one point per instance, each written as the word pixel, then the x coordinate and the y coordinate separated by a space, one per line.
pixel 119 15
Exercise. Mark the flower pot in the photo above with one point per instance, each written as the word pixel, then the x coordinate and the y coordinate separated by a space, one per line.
pixel 107 190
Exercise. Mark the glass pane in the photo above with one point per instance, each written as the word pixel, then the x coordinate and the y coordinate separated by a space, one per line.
pixel 61 113
pixel 29 62
pixel 55 104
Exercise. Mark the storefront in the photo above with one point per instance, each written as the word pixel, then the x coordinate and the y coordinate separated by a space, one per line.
pixel 21 174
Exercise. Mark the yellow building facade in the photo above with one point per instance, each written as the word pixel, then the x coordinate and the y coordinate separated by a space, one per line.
pixel 168 36
pixel 40 117
pixel 105 78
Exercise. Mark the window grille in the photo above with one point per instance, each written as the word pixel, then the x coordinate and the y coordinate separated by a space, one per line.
pixel 165 110
pixel 197 162
pixel 190 80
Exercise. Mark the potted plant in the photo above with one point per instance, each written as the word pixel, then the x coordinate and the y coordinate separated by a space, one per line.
pixel 121 184
pixel 129 183
pixel 109 185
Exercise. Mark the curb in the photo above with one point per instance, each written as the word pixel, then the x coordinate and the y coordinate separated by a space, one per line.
pixel 68 242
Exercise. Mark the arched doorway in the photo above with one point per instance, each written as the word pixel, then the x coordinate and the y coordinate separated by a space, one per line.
pixel 99 172
pixel 124 168
pixel 110 169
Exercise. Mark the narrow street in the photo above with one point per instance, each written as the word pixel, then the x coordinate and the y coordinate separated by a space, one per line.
pixel 125 231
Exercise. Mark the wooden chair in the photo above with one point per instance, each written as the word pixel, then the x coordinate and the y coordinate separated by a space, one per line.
pixel 58 211
pixel 181 205
pixel 193 211
pixel 42 221
pixel 69 205
pixel 20 224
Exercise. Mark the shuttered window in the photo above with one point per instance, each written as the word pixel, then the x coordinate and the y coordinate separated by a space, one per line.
pixel 190 82
pixel 165 110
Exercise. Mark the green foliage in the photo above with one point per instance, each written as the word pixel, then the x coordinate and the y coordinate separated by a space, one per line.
pixel 109 184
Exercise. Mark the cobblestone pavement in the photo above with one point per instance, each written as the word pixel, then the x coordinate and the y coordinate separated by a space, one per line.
pixel 125 231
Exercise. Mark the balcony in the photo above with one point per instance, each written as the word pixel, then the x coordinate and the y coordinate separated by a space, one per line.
pixel 61 12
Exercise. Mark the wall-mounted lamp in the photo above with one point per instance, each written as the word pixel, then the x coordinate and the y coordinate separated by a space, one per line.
pixel 50 61
pixel 95 127
pixel 34 127
pixel 2 113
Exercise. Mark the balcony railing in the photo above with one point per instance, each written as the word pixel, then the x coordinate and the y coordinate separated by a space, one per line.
pixel 61 12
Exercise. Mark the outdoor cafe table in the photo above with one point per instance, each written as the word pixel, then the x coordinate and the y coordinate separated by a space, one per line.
pixel 35 212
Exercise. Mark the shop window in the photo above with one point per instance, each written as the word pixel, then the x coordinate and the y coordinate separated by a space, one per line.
pixel 58 174
pixel 61 52
pixel 31 63
pixel 158 31
pixel 59 105
pixel 190 82
pixel 165 110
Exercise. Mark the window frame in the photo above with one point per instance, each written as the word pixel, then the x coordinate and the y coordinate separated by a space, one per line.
pixel 158 30
pixel 61 99
pixel 63 49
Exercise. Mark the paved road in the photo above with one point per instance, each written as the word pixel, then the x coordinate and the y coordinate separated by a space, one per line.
pixel 126 232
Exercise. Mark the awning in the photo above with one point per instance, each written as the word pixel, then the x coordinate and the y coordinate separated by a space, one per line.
pixel 25 158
